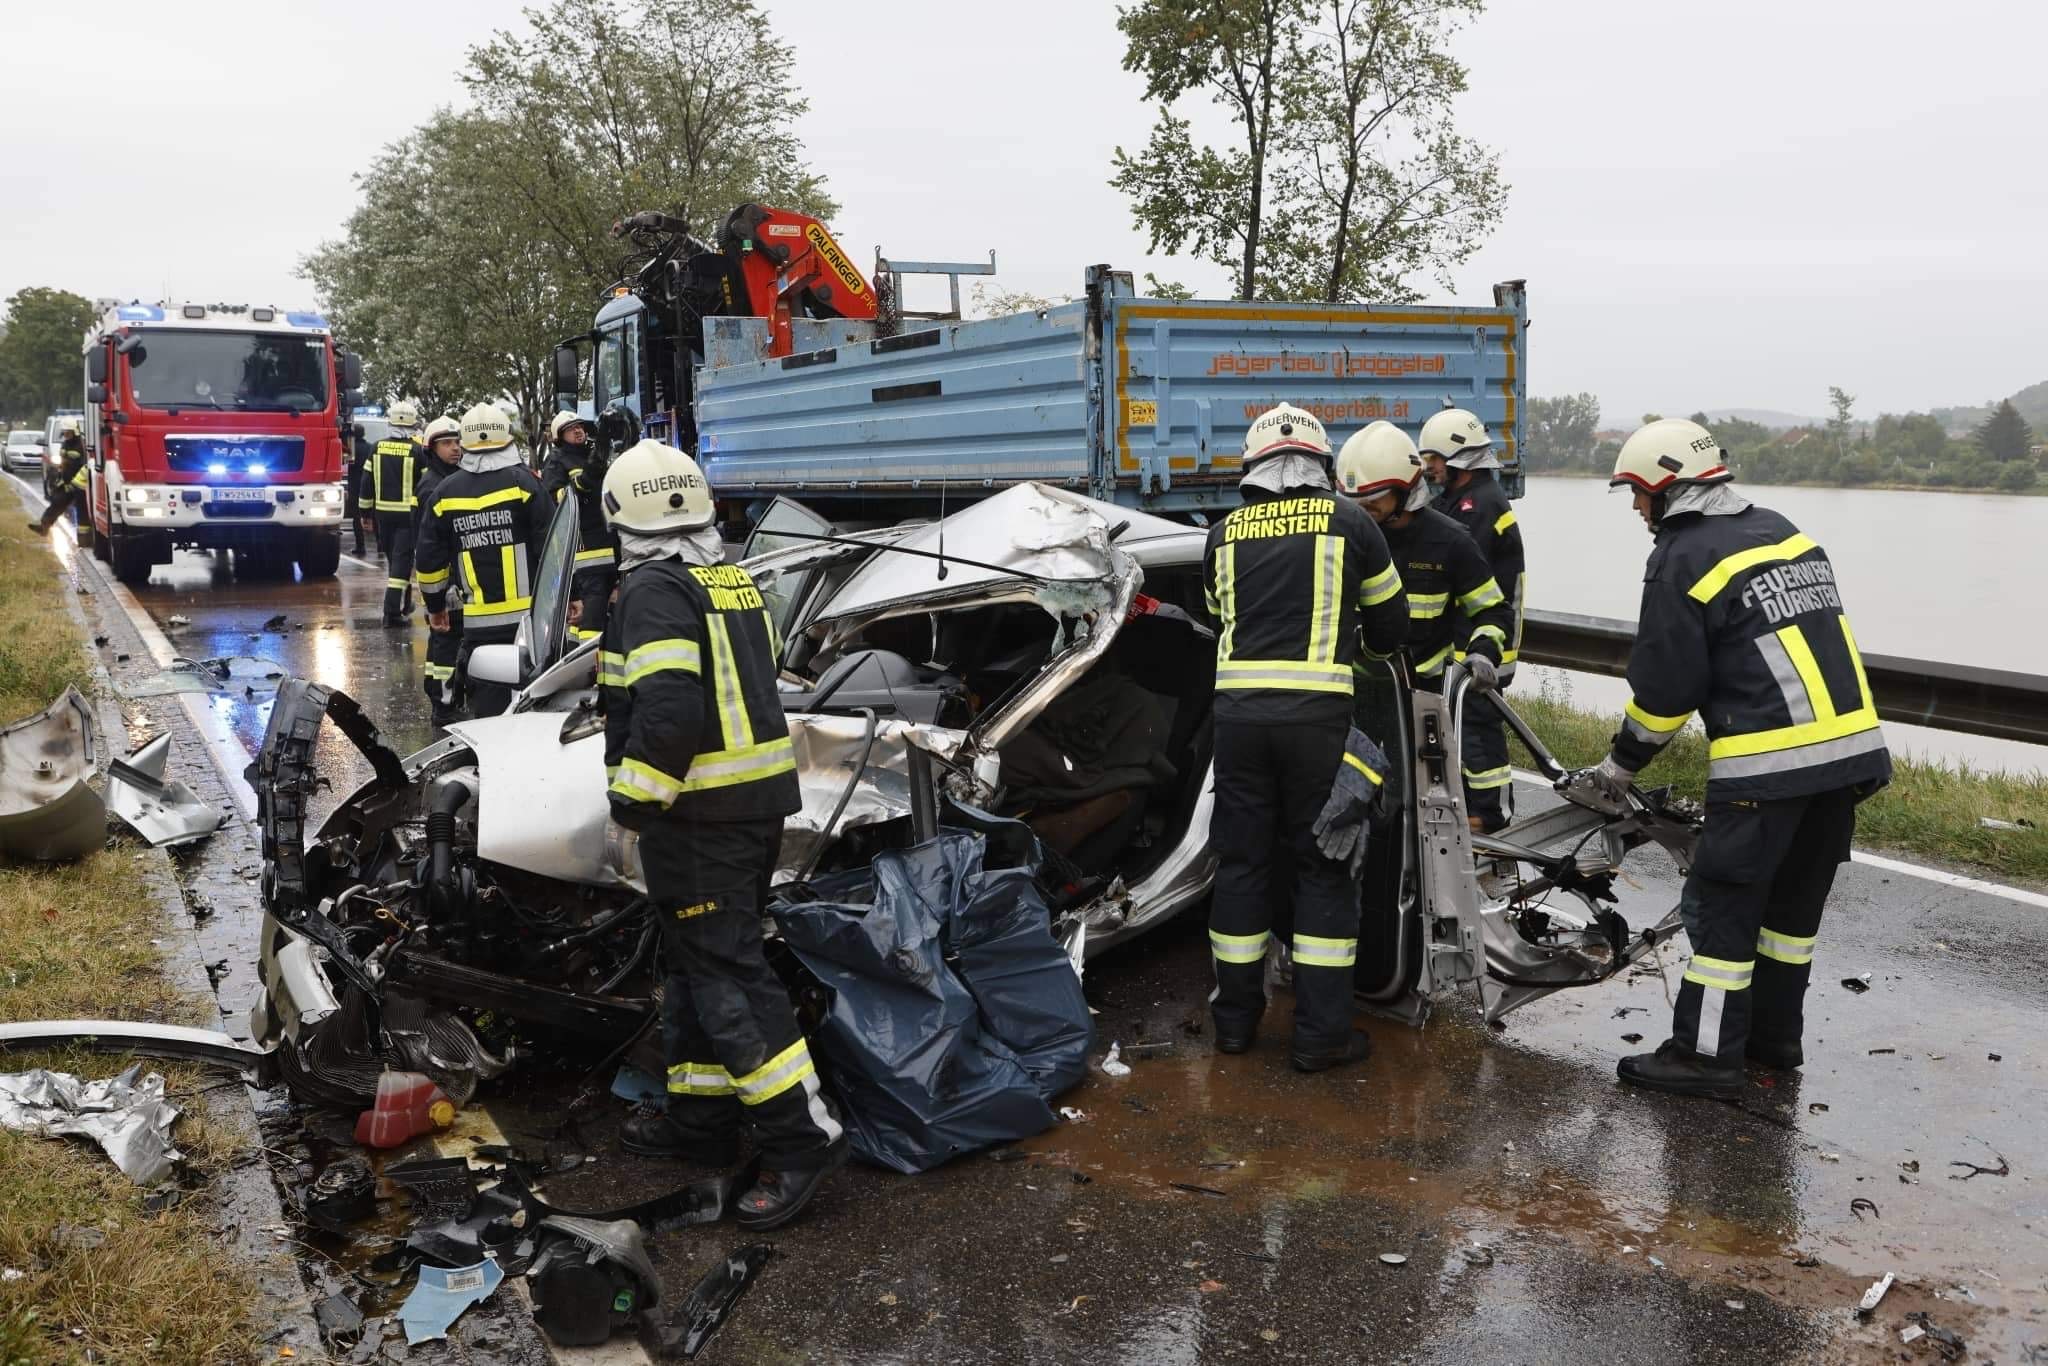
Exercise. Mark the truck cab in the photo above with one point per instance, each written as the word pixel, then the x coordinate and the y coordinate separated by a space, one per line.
pixel 217 427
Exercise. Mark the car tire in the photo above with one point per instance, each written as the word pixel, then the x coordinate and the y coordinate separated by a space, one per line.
pixel 320 557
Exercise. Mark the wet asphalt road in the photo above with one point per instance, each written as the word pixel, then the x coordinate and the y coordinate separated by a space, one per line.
pixel 1544 1213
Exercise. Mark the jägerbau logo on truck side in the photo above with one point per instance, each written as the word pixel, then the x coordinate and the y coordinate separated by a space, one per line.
pixel 643 487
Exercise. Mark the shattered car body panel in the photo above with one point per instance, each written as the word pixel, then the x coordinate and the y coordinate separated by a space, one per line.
pixel 47 810
pixel 163 811
pixel 483 875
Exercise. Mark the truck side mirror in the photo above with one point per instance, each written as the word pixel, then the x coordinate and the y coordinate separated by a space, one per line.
pixel 96 367
pixel 351 370
pixel 568 377
pixel 95 393
pixel 352 399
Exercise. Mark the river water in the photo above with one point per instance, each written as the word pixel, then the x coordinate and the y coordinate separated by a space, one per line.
pixel 1941 576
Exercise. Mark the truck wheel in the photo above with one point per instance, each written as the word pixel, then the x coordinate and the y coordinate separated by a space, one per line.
pixel 320 557
pixel 132 558
pixel 99 547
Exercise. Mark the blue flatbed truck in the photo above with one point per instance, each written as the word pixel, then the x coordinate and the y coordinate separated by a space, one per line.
pixel 1139 401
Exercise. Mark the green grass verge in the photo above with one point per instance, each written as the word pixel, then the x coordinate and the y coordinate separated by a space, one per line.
pixel 1930 810
pixel 75 940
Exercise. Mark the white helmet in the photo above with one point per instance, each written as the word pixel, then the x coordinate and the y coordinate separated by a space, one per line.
pixel 1668 452
pixel 562 422
pixel 440 427
pixel 68 426
pixel 1460 438
pixel 484 428
pixel 1381 459
pixel 653 488
pixel 404 415
pixel 1281 429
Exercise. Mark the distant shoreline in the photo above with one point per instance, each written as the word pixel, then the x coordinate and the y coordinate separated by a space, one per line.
pixel 2040 489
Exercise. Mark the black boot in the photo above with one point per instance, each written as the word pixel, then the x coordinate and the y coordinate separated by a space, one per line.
pixel 778 1197
pixel 1228 1041
pixel 1682 1072
pixel 652 1133
pixel 1355 1049
pixel 1780 1055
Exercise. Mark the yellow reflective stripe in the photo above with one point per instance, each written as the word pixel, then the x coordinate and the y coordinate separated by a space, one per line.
pixel 1238 948
pixel 1786 948
pixel 699 1079
pixel 442 671
pixel 394 583
pixel 1856 656
pixel 656 655
pixel 433 578
pixel 1493 633
pixel 1808 668
pixel 1725 973
pixel 1363 767
pixel 578 633
pixel 1324 610
pixel 725 686
pixel 1435 663
pixel 1315 951
pixel 1503 522
pixel 640 782
pixel 1226 584
pixel 776 1075
pixel 1651 721
pixel 602 555
pixel 1486 595
pixel 1291 675
pixel 1514 649
pixel 1485 778
pixel 1793 737
pixel 1423 606
pixel 728 767
pixel 611 669
pixel 1380 587
pixel 515 494
pixel 510 606
pixel 508 572
pixel 1716 579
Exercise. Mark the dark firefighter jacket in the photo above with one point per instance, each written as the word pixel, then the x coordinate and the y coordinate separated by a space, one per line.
pixel 693 722
pixel 568 473
pixel 1291 580
pixel 1481 507
pixel 488 527
pixel 392 474
pixel 1454 604
pixel 1742 622
pixel 72 469
pixel 432 473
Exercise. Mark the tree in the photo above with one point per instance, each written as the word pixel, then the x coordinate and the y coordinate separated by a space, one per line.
pixel 2018 477
pixel 1914 439
pixel 1001 303
pixel 1156 288
pixel 40 365
pixel 483 237
pixel 1344 176
pixel 1838 426
pixel 2004 435
pixel 1561 431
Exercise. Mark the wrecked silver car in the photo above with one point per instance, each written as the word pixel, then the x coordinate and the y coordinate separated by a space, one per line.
pixel 1039 655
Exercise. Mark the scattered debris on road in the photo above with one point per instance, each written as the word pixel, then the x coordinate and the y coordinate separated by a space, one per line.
pixel 1113 1064
pixel 277 623
pixel 1862 1203
pixel 440 1296
pixel 1394 1258
pixel 1875 1294
pixel 590 1279
pixel 1193 1189
pixel 345 1192
pixel 217 675
pixel 162 810
pixel 1857 984
pixel 1946 1341
pixel 126 1115
pixel 711 1301
pixel 2004 1168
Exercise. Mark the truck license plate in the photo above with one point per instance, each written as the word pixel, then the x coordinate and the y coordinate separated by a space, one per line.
pixel 241 495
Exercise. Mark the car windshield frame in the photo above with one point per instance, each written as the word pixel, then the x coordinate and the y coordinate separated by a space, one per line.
pixel 211 371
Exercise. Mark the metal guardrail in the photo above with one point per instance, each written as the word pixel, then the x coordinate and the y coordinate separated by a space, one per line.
pixel 1920 692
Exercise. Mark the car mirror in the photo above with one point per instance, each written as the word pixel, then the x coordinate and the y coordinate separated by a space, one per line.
pixel 495 664
pixel 95 393
pixel 96 365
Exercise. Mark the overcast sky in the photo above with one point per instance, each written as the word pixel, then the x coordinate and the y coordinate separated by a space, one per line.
pixel 1728 204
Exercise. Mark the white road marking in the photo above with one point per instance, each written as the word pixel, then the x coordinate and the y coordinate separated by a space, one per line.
pixel 1892 865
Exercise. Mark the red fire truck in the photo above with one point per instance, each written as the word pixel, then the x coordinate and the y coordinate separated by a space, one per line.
pixel 217 427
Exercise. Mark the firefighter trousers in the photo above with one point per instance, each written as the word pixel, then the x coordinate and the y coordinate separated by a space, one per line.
pixel 441 675
pixel 395 535
pixel 734 1053
pixel 1752 909
pixel 60 503
pixel 1271 782
pixel 1485 760
pixel 485 699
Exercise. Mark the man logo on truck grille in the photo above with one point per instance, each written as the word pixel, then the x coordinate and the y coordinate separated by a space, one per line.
pixel 822 243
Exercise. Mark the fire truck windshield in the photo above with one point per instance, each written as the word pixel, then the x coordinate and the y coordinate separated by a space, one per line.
pixel 238 371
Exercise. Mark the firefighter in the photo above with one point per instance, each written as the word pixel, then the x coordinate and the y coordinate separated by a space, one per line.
pixel 1741 622
pixel 1291 576
pixel 360 454
pixel 575 468
pixel 489 519
pixel 1455 608
pixel 444 648
pixel 392 484
pixel 702 766
pixel 73 479
pixel 1457 453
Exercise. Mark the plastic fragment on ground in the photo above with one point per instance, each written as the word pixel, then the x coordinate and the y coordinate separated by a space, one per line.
pixel 711 1301
pixel 407 1104
pixel 440 1296
pixel 47 810
pixel 1113 1064
pixel 162 810
pixel 126 1115
pixel 1877 1291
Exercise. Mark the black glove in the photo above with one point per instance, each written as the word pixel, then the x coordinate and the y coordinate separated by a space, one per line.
pixel 1355 797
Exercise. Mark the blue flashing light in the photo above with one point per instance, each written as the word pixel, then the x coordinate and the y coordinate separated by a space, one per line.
pixel 139 313
pixel 217 468
pixel 305 320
